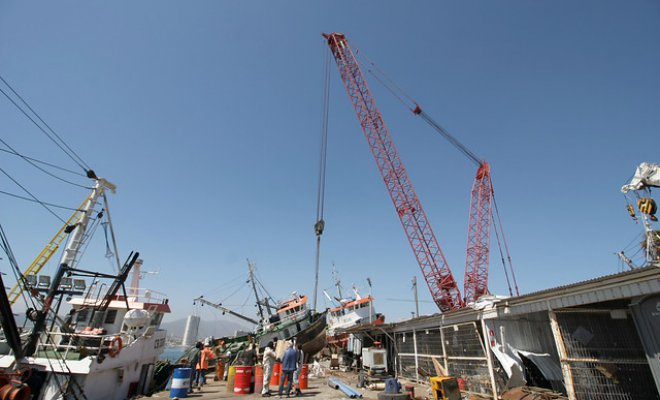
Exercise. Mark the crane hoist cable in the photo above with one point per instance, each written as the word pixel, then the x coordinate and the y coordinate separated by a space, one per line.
pixel 319 226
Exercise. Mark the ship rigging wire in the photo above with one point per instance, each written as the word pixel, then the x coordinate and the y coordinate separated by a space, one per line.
pixel 22 105
pixel 13 152
pixel 62 144
pixel 37 201
pixel 18 275
pixel 63 365
pixel 29 161
pixel 33 196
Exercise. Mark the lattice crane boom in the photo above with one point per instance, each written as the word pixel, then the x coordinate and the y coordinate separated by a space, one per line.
pixel 436 271
pixel 475 281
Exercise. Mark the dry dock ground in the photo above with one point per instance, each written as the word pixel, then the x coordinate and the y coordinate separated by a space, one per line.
pixel 317 389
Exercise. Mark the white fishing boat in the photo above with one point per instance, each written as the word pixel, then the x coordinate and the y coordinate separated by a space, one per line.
pixel 353 312
pixel 349 312
pixel 87 335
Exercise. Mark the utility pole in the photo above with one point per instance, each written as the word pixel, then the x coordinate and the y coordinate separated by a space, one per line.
pixel 414 287
pixel 371 303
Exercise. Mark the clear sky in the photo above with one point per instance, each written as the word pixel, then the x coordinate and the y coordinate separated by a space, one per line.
pixel 207 116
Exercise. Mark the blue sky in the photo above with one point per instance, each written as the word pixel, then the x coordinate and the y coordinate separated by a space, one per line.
pixel 206 115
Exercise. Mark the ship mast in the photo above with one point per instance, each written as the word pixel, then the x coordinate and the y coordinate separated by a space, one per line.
pixel 67 262
pixel 254 287
pixel 335 276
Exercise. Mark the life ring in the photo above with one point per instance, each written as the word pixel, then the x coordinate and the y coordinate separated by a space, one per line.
pixel 115 346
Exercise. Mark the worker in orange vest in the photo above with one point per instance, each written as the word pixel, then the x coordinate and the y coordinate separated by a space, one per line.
pixel 203 365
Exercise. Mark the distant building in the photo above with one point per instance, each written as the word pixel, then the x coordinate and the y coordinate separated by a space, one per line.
pixel 192 329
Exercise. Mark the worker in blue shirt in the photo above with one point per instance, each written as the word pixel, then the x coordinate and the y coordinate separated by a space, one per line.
pixel 289 366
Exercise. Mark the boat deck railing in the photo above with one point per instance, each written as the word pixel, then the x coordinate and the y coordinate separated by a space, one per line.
pixel 76 346
pixel 138 295
pixel 146 296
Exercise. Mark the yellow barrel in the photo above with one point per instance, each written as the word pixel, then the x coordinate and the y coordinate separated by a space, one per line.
pixel 231 374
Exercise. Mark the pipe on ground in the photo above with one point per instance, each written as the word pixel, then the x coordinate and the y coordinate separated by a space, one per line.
pixel 347 390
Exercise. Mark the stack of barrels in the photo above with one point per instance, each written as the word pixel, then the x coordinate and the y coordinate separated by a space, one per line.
pixel 246 379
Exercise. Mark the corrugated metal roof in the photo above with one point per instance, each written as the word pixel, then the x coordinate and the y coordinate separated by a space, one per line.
pixel 625 274
pixel 623 285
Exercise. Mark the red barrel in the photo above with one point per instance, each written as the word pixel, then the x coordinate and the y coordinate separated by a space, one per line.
pixel 411 391
pixel 242 380
pixel 219 371
pixel 277 371
pixel 302 378
pixel 258 378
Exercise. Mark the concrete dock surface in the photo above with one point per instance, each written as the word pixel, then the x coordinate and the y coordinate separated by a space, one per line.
pixel 317 388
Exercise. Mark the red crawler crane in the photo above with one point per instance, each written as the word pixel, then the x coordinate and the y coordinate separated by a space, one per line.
pixel 434 267
pixel 439 278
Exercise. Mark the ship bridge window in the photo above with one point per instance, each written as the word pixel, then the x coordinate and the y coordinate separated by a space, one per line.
pixel 155 319
pixel 83 314
pixel 110 316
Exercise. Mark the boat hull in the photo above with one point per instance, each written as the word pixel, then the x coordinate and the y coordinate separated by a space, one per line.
pixel 313 339
pixel 310 334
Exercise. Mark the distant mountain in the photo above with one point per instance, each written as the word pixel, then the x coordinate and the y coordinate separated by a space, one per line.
pixel 215 328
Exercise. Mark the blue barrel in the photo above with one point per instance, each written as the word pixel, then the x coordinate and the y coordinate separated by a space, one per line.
pixel 180 383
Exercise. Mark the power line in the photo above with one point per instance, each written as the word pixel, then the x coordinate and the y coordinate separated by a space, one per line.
pixel 72 154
